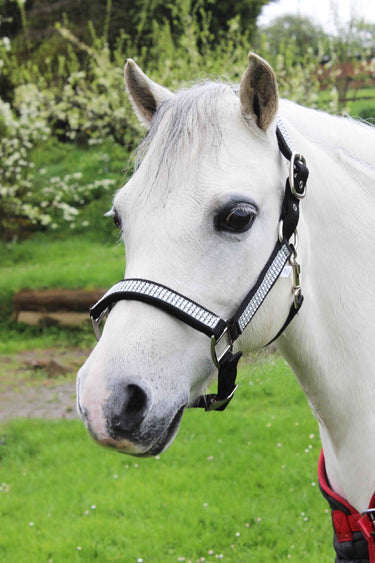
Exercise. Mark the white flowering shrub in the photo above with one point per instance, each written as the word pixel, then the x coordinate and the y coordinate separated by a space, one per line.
pixel 63 198
pixel 24 205
pixel 17 139
pixel 89 104
pixel 91 107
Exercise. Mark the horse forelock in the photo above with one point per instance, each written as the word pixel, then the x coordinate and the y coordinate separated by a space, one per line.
pixel 183 130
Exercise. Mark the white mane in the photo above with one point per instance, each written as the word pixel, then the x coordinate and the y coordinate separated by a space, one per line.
pixel 183 129
pixel 189 124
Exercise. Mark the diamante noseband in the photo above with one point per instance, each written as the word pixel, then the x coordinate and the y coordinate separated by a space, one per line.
pixel 224 333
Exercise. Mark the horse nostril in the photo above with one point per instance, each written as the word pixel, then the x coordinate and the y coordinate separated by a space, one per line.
pixel 137 400
pixel 132 405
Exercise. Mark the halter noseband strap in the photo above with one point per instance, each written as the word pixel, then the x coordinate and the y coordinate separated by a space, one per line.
pixel 224 333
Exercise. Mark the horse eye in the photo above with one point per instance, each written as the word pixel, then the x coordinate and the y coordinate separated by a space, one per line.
pixel 238 218
pixel 117 220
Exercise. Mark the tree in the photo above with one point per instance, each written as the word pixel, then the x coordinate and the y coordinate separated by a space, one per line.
pixel 133 17
pixel 344 59
pixel 351 51
pixel 297 32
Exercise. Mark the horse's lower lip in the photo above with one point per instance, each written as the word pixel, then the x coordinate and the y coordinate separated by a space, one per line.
pixel 166 437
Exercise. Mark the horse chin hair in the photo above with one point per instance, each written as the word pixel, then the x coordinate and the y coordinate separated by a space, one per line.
pixel 165 439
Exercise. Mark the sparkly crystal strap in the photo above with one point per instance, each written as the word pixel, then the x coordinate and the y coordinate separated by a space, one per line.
pixel 265 282
pixel 189 311
pixel 163 297
pixel 285 139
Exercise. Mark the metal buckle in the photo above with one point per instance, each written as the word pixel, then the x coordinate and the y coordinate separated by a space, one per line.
pixel 292 176
pixel 224 346
pixel 96 323
pixel 296 268
pixel 215 404
pixel 294 235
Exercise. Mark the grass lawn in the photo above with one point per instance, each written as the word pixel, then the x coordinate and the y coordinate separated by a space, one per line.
pixel 239 486
pixel 72 262
pixel 360 102
pixel 44 262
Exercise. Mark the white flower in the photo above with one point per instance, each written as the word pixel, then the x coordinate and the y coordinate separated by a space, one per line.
pixel 6 43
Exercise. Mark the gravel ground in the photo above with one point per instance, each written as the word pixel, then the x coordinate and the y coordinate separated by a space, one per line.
pixel 39 383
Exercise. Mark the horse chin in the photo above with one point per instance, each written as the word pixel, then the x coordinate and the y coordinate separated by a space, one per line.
pixel 141 448
pixel 166 438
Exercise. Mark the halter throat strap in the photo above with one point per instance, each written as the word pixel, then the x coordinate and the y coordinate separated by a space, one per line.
pixel 224 333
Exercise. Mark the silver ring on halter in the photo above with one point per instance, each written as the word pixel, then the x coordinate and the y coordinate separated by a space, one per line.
pixel 298 195
pixel 281 236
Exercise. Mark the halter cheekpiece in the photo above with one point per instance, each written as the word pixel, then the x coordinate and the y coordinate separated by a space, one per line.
pixel 224 333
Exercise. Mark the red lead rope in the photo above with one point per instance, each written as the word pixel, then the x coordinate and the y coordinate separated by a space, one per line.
pixel 345 518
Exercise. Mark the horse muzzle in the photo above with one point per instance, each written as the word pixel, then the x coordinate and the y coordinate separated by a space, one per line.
pixel 128 420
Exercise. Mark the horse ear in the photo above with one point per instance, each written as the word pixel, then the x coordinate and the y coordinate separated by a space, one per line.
pixel 258 92
pixel 145 95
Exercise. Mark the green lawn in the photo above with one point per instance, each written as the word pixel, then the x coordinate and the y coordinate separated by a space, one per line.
pixel 45 262
pixel 239 486
pixel 360 102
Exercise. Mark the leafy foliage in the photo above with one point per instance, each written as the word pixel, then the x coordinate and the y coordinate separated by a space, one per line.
pixel 72 88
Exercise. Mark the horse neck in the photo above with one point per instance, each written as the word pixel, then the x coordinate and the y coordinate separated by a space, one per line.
pixel 329 345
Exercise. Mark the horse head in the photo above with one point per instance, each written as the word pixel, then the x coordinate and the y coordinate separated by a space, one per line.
pixel 199 215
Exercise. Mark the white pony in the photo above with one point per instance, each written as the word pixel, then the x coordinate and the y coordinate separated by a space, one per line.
pixel 201 215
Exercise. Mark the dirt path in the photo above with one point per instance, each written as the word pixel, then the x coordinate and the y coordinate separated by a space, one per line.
pixel 39 383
